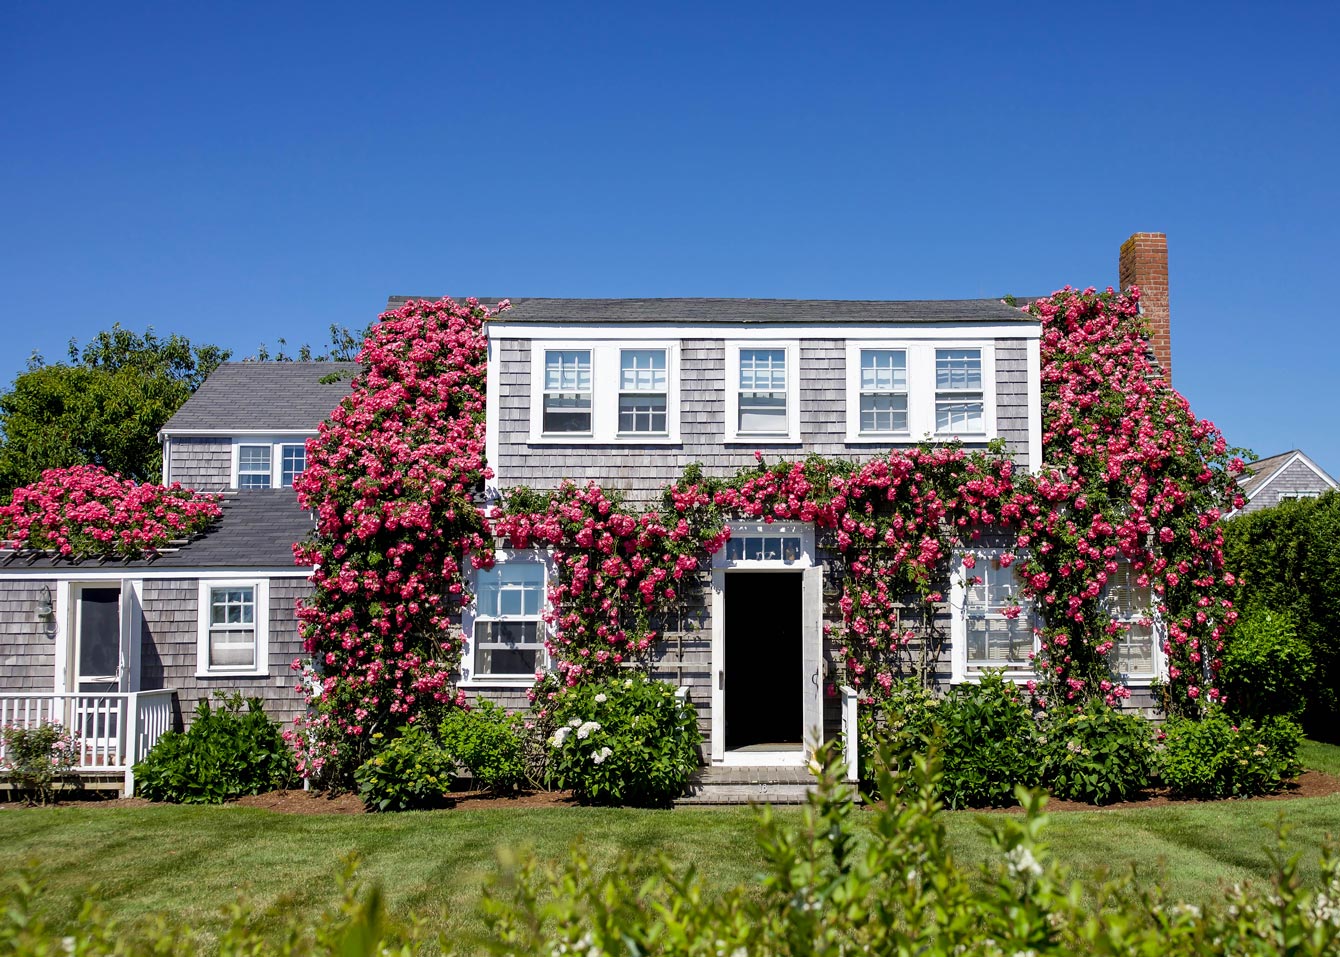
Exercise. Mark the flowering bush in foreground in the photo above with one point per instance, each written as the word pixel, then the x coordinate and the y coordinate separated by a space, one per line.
pixel 85 511
pixel 623 740
pixel 37 759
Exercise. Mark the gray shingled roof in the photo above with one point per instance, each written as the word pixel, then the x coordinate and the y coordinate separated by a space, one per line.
pixel 257 530
pixel 263 395
pixel 1260 471
pixel 751 310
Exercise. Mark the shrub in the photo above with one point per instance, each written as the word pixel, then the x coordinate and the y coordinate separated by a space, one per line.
pixel 407 773
pixel 1267 667
pixel 986 735
pixel 899 726
pixel 490 743
pixel 624 740
pixel 1217 756
pixel 1095 753
pixel 1287 559
pixel 227 752
pixel 38 759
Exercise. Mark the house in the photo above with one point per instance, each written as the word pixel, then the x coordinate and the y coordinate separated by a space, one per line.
pixel 1280 478
pixel 624 392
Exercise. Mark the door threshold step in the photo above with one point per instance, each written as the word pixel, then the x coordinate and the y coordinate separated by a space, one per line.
pixel 749 785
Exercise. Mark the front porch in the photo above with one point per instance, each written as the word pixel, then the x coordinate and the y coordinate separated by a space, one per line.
pixel 113 730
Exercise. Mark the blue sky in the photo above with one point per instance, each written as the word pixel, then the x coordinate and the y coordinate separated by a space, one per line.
pixel 263 170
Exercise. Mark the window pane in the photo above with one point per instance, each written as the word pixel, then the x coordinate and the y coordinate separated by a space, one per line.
pixel 253 466
pixel 232 649
pixel 567 370
pixel 508 647
pixel 883 370
pixel 642 413
pixel 293 464
pixel 763 412
pixel 959 416
pixel 958 369
pixel 1133 653
pixel 567 412
pixel 884 413
pixel 763 370
pixel 642 370
pixel 510 588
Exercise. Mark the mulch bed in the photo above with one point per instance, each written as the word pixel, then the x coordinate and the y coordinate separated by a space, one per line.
pixel 1307 784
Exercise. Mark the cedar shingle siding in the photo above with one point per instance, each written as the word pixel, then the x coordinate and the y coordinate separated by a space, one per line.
pixel 204 464
pixel 27 645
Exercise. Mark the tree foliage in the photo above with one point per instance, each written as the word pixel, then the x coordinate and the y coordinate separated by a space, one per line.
pixel 1288 561
pixel 103 406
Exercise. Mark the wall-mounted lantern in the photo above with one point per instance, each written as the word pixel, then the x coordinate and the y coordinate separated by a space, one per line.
pixel 44 610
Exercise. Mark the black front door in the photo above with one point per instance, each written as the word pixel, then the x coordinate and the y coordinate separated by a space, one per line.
pixel 763 679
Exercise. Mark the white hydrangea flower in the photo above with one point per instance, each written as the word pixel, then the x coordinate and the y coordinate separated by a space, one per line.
pixel 586 730
pixel 600 756
pixel 1022 863
pixel 600 698
pixel 628 682
pixel 559 737
pixel 575 723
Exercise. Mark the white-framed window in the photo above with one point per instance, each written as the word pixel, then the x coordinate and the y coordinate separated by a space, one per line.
pixel 505 628
pixel 763 392
pixel 993 625
pixel 960 406
pixel 643 392
pixel 604 392
pixel 764 545
pixel 1135 648
pixel 911 390
pixel 234 629
pixel 260 463
pixel 567 392
pixel 1293 496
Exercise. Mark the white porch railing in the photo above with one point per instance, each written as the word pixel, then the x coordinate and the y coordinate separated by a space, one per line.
pixel 851 738
pixel 112 730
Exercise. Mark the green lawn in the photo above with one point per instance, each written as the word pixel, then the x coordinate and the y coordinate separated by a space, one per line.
pixel 192 861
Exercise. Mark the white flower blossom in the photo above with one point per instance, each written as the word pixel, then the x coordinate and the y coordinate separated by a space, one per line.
pixel 586 730
pixel 575 723
pixel 560 736
pixel 600 756
pixel 600 698
pixel 1022 863
pixel 628 682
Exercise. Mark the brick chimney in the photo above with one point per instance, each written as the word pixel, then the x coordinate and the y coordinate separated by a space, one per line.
pixel 1144 263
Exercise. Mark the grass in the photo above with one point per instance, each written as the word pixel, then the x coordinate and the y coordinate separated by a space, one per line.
pixel 192 861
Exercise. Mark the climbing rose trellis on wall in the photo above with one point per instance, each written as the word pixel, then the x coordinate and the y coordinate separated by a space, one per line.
pixel 1130 475
pixel 391 478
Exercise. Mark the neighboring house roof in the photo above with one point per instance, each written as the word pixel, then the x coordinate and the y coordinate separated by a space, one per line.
pixel 1263 471
pixel 257 530
pixel 256 396
pixel 751 310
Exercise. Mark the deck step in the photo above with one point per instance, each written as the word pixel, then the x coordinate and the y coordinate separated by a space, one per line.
pixel 745 785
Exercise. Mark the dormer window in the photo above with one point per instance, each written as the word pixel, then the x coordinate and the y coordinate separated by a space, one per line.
pixel 267 463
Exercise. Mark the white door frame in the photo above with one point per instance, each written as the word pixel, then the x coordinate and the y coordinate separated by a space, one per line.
pixel 67 632
pixel 811 676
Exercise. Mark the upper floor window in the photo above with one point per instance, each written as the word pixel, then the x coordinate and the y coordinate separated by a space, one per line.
pixel 906 391
pixel 643 391
pixel 883 391
pixel 1294 496
pixel 1131 605
pixel 604 392
pixel 567 391
pixel 267 463
pixel 959 399
pixel 507 630
pixel 762 392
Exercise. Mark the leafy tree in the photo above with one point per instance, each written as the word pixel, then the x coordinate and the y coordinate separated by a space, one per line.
pixel 344 346
pixel 1288 561
pixel 104 406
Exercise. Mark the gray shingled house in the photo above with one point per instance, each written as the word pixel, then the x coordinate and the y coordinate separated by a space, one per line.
pixel 623 392
pixel 1280 478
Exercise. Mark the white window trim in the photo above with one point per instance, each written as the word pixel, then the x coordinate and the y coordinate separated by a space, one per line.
pixel 276 444
pixel 739 529
pixel 958 622
pixel 605 382
pixel 261 591
pixel 733 434
pixel 920 391
pixel 1291 496
pixel 502 556
pixel 1158 631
